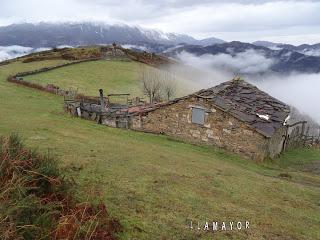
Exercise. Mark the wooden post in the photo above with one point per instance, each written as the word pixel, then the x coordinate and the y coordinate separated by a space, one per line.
pixel 285 142
pixel 102 103
pixel 306 136
pixel 303 128
pixel 302 134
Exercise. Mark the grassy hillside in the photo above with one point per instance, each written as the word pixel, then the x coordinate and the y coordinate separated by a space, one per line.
pixel 154 184
pixel 89 77
pixel 64 53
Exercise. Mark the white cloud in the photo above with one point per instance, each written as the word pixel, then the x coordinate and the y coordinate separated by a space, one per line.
pixel 10 52
pixel 130 46
pixel 248 62
pixel 64 46
pixel 296 89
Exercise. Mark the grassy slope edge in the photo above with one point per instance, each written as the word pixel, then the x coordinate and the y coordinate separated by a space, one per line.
pixel 38 202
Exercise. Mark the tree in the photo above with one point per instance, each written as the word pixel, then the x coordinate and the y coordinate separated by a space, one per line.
pixel 157 83
pixel 168 86
pixel 151 84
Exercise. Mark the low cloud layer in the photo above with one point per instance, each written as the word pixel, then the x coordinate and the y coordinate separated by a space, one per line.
pixel 248 62
pixel 10 52
pixel 130 46
pixel 296 89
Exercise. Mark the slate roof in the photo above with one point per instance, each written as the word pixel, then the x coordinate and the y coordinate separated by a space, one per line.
pixel 246 102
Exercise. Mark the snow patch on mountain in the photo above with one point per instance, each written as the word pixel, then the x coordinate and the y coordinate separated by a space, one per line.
pixel 311 52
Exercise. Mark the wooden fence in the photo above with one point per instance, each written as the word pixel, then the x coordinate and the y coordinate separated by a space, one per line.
pixel 298 135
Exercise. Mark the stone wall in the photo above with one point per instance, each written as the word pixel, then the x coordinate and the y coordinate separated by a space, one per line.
pixel 116 121
pixel 50 88
pixel 74 108
pixel 91 111
pixel 276 143
pixel 46 69
pixel 220 128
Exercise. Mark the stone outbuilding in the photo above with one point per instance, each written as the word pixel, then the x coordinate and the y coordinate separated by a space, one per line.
pixel 234 115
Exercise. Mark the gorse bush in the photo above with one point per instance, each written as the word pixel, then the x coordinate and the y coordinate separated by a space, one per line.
pixel 36 202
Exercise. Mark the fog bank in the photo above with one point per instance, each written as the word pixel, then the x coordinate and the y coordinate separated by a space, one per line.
pixel 297 89
pixel 9 52
pixel 300 90
pixel 14 51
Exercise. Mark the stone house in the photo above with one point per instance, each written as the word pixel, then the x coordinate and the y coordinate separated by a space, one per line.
pixel 234 115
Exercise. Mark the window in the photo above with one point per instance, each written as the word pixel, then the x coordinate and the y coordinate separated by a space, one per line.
pixel 198 115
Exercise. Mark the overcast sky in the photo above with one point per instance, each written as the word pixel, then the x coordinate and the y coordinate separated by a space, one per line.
pixel 292 22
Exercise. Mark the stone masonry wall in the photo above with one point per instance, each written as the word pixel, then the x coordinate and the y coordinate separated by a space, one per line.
pixel 276 142
pixel 220 128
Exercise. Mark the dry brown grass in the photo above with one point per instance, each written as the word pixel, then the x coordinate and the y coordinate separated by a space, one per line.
pixel 36 202
pixel 65 53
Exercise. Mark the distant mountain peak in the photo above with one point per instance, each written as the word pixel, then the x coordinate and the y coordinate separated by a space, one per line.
pixel 46 34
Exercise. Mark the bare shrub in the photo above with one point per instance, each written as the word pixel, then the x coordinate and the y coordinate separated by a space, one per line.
pixel 169 86
pixel 157 84
pixel 151 82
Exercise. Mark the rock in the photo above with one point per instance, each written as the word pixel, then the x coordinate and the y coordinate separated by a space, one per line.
pixel 285 175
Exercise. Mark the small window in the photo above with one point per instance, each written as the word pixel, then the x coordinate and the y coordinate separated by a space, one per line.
pixel 198 115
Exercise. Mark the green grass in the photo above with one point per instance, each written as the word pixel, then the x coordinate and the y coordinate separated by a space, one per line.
pixel 89 77
pixel 296 157
pixel 154 185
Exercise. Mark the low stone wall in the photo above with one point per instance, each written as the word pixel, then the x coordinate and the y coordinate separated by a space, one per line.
pixel 84 110
pixel 220 128
pixel 74 109
pixel 50 88
pixel 45 69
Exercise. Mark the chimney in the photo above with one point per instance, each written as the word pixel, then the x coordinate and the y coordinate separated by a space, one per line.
pixel 102 103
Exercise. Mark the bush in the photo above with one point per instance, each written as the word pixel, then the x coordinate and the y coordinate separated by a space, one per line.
pixel 36 202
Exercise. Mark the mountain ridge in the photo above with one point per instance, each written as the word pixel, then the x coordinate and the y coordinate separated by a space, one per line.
pixel 283 60
pixel 307 49
pixel 89 33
